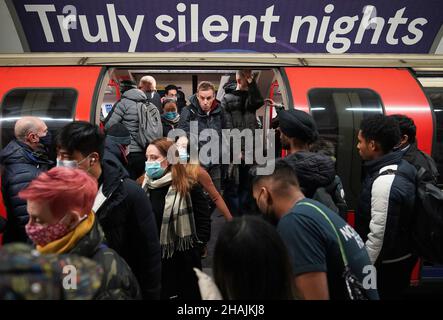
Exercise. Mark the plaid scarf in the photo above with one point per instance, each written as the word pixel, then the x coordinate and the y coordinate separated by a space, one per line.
pixel 177 231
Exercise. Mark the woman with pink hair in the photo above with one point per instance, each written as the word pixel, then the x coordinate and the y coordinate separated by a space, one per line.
pixel 61 221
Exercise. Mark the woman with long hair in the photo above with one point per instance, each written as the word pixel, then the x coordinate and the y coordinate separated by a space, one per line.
pixel 197 173
pixel 182 215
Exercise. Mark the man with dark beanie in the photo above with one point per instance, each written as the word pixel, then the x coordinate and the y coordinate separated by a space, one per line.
pixel 117 143
pixel 297 132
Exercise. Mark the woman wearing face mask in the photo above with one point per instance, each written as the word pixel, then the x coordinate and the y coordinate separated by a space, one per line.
pixel 199 174
pixel 61 221
pixel 183 219
pixel 170 116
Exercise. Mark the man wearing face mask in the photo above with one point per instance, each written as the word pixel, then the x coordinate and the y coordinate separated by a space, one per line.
pixel 122 208
pixel 23 159
pixel 61 222
pixel 305 226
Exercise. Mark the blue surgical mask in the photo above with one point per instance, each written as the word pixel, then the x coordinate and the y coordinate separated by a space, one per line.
pixel 154 170
pixel 183 154
pixel 170 115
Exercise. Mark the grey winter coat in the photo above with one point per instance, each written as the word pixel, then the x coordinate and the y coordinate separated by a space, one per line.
pixel 126 113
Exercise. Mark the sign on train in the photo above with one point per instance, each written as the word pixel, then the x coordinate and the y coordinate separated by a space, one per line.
pixel 278 26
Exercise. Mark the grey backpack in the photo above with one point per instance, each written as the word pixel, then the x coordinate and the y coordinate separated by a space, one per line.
pixel 149 124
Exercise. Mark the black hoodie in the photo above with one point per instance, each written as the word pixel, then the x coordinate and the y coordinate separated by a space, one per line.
pixel 314 170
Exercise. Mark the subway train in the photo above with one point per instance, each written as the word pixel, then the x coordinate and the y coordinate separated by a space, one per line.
pixel 339 91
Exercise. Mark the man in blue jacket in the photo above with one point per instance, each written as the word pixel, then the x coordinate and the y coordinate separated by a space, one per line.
pixel 386 206
pixel 23 159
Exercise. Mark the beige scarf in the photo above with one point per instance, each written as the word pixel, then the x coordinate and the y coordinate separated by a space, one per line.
pixel 177 231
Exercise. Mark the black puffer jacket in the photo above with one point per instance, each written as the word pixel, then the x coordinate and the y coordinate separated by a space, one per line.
pixel 118 280
pixel 313 170
pixel 128 223
pixel 21 165
pixel 386 208
pixel 241 106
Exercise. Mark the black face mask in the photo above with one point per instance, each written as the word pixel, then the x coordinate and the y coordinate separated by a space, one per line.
pixel 46 140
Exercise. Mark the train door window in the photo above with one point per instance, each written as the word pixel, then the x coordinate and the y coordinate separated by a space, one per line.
pixel 435 96
pixel 56 107
pixel 338 113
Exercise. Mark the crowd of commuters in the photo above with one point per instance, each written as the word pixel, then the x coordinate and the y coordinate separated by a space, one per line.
pixel 135 219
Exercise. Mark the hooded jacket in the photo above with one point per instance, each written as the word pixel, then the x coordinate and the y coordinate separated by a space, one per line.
pixel 386 209
pixel 125 214
pixel 21 165
pixel 314 170
pixel 125 112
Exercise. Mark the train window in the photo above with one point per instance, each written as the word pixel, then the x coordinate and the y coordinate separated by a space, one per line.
pixel 338 113
pixel 435 96
pixel 55 106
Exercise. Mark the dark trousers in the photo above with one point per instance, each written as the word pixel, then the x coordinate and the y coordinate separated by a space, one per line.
pixel 178 277
pixel 237 193
pixel 136 164
pixel 393 279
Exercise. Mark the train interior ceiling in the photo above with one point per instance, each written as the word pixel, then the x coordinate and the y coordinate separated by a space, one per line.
pixel 187 81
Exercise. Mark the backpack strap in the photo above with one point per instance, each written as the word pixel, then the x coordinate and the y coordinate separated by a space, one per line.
pixel 420 173
pixel 109 115
pixel 340 243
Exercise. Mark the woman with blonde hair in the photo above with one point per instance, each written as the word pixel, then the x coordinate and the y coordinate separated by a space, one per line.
pixel 183 219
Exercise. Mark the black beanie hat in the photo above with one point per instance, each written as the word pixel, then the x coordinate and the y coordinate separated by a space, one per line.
pixel 119 134
pixel 126 85
pixel 298 124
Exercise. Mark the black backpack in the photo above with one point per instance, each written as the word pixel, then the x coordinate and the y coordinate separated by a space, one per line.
pixel 333 197
pixel 427 223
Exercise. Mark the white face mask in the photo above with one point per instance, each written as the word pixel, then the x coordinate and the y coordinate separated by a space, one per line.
pixel 72 164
